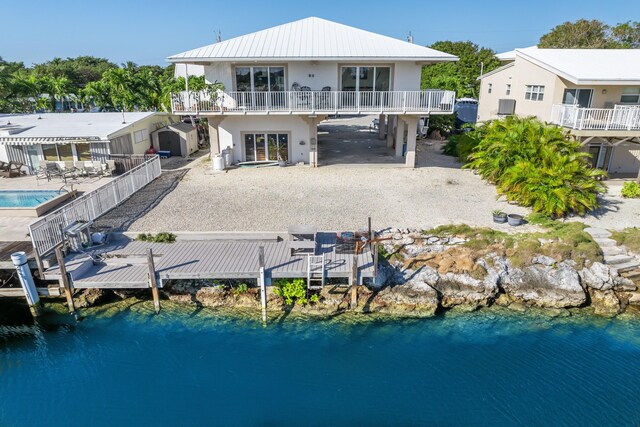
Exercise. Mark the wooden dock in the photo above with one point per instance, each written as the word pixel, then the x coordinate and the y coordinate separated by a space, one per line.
pixel 7 248
pixel 123 264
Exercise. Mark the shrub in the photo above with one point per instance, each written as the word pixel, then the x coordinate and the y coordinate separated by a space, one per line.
pixel 242 288
pixel 162 237
pixel 462 145
pixel 292 291
pixel 630 190
pixel 314 299
pixel 445 123
pixel 537 165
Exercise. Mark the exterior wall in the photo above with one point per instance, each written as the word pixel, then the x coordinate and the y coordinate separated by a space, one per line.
pixel 603 96
pixel 3 153
pixel 622 161
pixel 180 70
pixel 317 74
pixel 232 128
pixel 523 73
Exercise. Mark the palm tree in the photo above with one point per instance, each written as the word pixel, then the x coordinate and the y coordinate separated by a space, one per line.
pixel 57 88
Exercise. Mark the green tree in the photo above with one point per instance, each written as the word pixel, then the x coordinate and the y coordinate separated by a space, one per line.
pixel 80 71
pixel 462 75
pixel 57 88
pixel 627 34
pixel 584 34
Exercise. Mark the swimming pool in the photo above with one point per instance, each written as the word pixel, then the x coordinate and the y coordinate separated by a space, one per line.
pixel 30 203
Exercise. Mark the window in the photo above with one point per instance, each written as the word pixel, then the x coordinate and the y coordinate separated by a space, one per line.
pixel 508 91
pixel 49 152
pixel 266 146
pixel 580 97
pixel 83 152
pixel 534 93
pixel 140 136
pixel 57 152
pixel 490 88
pixel 630 95
pixel 65 152
pixel 260 79
pixel 365 78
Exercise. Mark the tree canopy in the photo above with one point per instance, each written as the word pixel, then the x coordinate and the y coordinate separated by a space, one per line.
pixel 462 75
pixel 594 34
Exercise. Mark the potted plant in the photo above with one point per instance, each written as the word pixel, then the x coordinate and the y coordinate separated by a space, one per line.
pixel 499 216
pixel 515 219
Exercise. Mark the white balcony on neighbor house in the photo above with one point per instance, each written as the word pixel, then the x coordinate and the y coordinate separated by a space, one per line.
pixel 620 118
pixel 313 102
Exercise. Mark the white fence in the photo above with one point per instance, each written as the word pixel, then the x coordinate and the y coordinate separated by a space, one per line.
pixel 46 232
pixel 621 117
pixel 425 102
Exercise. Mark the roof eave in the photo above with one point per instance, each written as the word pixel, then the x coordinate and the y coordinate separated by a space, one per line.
pixel 201 60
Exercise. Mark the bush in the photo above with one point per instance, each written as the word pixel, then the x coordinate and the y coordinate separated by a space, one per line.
pixel 157 238
pixel 445 124
pixel 242 288
pixel 537 165
pixel 461 146
pixel 292 291
pixel 630 190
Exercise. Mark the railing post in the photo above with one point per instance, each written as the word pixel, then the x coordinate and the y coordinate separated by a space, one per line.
pixel 313 102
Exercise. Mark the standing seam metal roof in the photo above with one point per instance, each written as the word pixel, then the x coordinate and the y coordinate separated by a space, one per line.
pixel 312 38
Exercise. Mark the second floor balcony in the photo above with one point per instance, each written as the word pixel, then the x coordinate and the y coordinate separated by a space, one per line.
pixel 619 118
pixel 314 102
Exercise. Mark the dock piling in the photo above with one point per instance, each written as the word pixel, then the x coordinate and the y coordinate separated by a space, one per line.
pixel 354 283
pixel 64 280
pixel 263 286
pixel 153 281
pixel 20 261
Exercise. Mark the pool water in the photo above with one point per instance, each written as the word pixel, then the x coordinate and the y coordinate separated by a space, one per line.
pixel 25 198
pixel 124 366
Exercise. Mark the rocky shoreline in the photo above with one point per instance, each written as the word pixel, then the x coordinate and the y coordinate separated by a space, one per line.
pixel 421 275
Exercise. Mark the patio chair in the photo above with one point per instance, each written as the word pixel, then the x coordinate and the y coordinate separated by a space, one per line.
pixel 302 239
pixel 111 168
pixel 79 165
pixel 4 166
pixel 93 170
pixel 14 170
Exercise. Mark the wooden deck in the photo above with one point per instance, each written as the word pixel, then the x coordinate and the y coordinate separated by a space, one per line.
pixel 124 264
pixel 7 248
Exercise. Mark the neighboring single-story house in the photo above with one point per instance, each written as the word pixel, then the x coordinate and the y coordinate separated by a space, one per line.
pixel 181 139
pixel 31 138
pixel 279 83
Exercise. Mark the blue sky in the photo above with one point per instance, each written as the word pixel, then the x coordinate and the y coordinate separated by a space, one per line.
pixel 146 32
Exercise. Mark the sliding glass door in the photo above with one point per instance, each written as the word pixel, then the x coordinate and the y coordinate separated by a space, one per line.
pixel 578 97
pixel 369 83
pixel 266 146
pixel 264 86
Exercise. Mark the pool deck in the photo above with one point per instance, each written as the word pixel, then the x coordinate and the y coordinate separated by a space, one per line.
pixel 15 228
pixel 124 263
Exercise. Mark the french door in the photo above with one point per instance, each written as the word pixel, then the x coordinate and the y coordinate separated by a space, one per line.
pixel 266 146
pixel 368 82
pixel 264 85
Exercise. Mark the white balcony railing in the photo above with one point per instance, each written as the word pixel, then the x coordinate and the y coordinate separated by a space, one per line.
pixel 621 117
pixel 283 102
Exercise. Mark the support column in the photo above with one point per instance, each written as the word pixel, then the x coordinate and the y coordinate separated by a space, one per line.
pixel 399 135
pixel 390 131
pixel 412 127
pixel 21 262
pixel 64 280
pixel 153 281
pixel 214 135
pixel 381 126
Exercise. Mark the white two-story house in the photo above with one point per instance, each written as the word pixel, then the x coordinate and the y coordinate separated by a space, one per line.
pixel 593 93
pixel 279 83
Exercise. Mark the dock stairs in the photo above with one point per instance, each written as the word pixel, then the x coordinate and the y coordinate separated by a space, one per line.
pixel 315 271
pixel 628 265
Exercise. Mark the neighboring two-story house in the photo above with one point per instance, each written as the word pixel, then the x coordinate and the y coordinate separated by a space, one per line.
pixel 279 83
pixel 594 93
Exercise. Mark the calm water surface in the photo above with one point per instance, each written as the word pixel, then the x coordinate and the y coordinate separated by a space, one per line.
pixel 124 366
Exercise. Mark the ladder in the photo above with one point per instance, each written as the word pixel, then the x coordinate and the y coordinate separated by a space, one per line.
pixel 315 271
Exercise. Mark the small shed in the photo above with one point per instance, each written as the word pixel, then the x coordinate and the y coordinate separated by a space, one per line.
pixel 181 139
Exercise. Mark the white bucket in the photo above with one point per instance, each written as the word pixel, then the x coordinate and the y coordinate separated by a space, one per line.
pixel 218 162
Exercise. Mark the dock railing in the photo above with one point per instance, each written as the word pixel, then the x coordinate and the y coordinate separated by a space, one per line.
pixel 46 232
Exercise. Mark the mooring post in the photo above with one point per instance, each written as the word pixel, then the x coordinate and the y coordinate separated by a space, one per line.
pixel 370 233
pixel 64 280
pixel 354 283
pixel 375 259
pixel 21 262
pixel 262 283
pixel 153 281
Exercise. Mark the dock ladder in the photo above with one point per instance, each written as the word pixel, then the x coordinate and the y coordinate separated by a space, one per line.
pixel 315 271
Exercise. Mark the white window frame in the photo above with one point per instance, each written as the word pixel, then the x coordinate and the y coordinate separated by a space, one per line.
pixel 630 92
pixel 534 92
pixel 266 138
pixel 140 136
pixel 358 68
pixel 268 67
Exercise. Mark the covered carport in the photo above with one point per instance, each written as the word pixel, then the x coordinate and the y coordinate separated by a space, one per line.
pixel 356 140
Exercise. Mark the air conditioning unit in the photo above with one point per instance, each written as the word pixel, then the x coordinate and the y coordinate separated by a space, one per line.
pixel 506 107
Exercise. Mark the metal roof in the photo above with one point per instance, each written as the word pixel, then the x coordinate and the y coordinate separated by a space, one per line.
pixel 588 66
pixel 312 39
pixel 60 126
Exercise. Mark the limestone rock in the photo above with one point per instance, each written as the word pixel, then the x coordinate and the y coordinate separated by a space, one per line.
pixel 605 302
pixel 597 276
pixel 409 299
pixel 464 290
pixel 90 297
pixel 544 287
pixel 543 260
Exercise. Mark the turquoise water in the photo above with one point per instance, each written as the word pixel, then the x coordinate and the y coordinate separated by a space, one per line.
pixel 25 198
pixel 125 366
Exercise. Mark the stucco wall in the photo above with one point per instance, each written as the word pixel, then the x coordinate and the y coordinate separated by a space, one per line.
pixel 599 99
pixel 149 125
pixel 622 161
pixel 232 127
